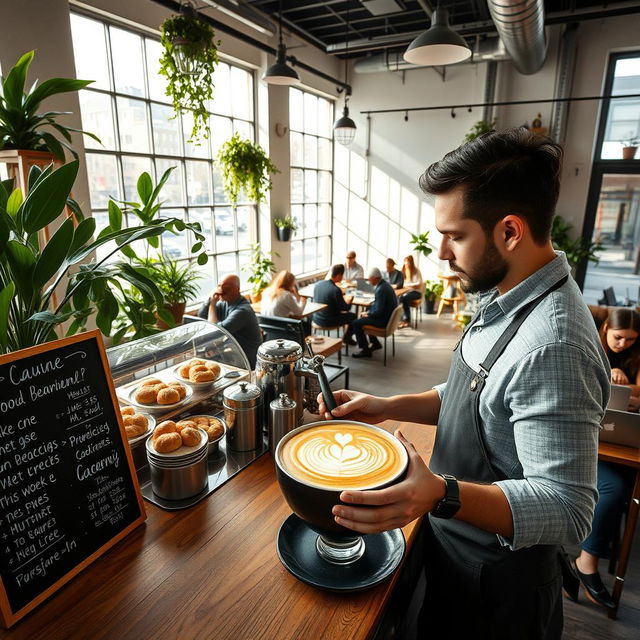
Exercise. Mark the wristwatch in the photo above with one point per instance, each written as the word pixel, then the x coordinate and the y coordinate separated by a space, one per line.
pixel 449 505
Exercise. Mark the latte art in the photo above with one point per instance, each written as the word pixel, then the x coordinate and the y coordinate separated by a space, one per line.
pixel 342 456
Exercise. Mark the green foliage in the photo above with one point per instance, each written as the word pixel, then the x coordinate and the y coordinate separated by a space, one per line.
pixel 630 140
pixel 245 167
pixel 286 223
pixel 261 268
pixel 480 127
pixel 21 126
pixel 29 275
pixel 177 283
pixel 420 244
pixel 576 250
pixel 433 289
pixel 187 37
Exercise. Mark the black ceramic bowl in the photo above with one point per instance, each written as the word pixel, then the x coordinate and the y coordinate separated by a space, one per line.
pixel 314 504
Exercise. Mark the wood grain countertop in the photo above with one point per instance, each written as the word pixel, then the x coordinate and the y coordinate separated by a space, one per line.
pixel 211 571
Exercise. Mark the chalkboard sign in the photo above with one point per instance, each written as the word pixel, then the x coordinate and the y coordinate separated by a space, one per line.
pixel 67 482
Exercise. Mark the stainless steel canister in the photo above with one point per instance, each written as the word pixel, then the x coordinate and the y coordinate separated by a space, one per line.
pixel 282 419
pixel 243 415
pixel 278 370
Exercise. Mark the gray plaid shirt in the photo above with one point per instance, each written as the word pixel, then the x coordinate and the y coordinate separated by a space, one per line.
pixel 542 405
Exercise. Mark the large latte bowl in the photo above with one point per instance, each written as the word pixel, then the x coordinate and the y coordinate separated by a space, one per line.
pixel 316 462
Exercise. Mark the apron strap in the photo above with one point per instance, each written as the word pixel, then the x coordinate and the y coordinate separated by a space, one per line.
pixel 519 318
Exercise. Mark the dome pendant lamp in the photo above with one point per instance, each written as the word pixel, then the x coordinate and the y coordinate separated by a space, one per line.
pixel 439 45
pixel 280 72
pixel 344 128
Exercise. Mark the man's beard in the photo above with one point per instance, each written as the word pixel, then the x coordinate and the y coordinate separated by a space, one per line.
pixel 488 273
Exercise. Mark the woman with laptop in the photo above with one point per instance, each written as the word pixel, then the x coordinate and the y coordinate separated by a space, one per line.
pixel 281 298
pixel 619 335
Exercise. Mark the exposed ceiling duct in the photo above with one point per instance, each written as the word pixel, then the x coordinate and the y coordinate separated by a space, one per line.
pixel 488 49
pixel 520 25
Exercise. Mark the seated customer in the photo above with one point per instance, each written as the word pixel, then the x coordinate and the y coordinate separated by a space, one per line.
pixel 281 298
pixel 412 281
pixel 232 311
pixel 384 304
pixel 337 312
pixel 393 276
pixel 619 337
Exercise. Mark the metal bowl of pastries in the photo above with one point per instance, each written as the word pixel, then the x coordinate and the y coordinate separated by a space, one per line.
pixel 215 428
pixel 156 396
pixel 137 425
pixel 198 372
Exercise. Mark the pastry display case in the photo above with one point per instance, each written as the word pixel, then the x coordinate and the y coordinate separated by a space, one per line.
pixel 179 375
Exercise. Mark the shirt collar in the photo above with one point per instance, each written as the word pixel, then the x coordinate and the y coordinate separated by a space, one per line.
pixel 537 283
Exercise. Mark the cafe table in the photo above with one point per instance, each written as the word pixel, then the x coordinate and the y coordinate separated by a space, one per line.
pixel 211 571
pixel 309 309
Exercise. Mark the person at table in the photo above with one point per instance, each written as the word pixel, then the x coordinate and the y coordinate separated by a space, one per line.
pixel 233 311
pixel 512 476
pixel 337 313
pixel 414 282
pixel 619 336
pixel 384 304
pixel 352 270
pixel 393 276
pixel 281 298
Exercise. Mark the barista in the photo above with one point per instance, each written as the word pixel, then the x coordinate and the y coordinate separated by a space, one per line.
pixel 513 471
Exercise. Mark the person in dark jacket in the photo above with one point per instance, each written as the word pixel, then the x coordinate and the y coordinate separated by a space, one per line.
pixel 338 312
pixel 393 276
pixel 384 303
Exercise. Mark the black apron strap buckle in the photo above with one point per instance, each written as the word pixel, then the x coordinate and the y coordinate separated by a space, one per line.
pixel 482 374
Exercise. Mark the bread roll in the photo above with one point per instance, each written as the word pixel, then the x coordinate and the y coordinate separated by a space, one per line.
pixel 214 367
pixel 183 371
pixel 127 411
pixel 168 426
pixel 190 437
pixel 182 424
pixel 195 361
pixel 134 430
pixel 214 429
pixel 146 395
pixel 201 376
pixel 167 442
pixel 168 396
pixel 150 382
pixel 180 388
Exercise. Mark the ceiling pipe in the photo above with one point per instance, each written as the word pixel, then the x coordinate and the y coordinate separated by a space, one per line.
pixel 520 25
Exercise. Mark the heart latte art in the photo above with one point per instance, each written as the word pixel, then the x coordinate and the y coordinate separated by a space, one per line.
pixel 342 456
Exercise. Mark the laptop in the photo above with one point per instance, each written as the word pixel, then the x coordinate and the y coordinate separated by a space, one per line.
pixel 364 286
pixel 621 427
pixel 619 398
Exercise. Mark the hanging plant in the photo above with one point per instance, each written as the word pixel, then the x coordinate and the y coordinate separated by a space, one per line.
pixel 245 167
pixel 189 59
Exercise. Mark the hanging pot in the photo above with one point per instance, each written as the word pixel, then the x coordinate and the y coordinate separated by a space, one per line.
pixel 184 60
pixel 284 233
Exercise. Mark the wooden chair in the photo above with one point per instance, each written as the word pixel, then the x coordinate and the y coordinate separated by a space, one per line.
pixel 385 332
pixel 451 300
pixel 417 305
pixel 326 331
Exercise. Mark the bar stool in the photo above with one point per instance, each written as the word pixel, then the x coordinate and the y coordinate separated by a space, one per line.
pixel 452 294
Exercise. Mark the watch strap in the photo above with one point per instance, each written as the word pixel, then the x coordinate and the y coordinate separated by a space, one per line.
pixel 449 505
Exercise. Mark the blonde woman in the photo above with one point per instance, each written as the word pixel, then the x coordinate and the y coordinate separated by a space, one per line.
pixel 281 297
pixel 412 281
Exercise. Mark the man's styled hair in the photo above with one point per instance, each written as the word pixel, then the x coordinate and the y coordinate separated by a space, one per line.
pixel 337 270
pixel 504 172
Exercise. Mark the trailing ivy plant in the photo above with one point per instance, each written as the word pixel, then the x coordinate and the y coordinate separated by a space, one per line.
pixel 245 167
pixel 189 43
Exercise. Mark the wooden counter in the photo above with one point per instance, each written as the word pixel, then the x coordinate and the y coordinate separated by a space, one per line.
pixel 211 571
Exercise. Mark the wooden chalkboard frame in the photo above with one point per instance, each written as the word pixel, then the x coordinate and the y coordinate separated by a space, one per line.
pixel 8 617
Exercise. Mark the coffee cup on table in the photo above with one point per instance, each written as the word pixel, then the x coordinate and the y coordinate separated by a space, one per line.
pixel 316 462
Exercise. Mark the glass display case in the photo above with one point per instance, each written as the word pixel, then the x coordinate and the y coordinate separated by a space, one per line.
pixel 162 357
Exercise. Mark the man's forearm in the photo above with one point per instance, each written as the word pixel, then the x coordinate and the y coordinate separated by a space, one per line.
pixel 213 313
pixel 423 408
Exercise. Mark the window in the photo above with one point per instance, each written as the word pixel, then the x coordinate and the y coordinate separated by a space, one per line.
pixel 310 122
pixel 126 107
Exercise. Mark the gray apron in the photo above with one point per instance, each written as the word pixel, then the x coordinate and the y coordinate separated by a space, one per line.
pixel 474 584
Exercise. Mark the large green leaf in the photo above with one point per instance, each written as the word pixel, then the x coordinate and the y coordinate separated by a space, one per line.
pixel 21 263
pixel 6 295
pixel 48 317
pixel 5 229
pixel 13 87
pixel 47 200
pixel 83 233
pixel 52 87
pixel 115 216
pixel 14 202
pixel 54 254
pixel 53 145
pixel 107 312
pixel 145 187
pixel 6 187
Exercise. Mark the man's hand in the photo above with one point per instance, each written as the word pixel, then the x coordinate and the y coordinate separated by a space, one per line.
pixel 216 296
pixel 618 376
pixel 356 406
pixel 364 314
pixel 394 506
pixel 634 403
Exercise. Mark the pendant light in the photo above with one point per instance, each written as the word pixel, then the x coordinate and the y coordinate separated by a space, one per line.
pixel 280 72
pixel 344 128
pixel 438 45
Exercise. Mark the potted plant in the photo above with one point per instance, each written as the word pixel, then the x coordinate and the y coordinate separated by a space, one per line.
pixel 29 273
pixel 23 129
pixel 575 250
pixel 420 244
pixel 245 167
pixel 432 291
pixel 630 146
pixel 177 284
pixel 189 59
pixel 285 228
pixel 479 128
pixel 261 269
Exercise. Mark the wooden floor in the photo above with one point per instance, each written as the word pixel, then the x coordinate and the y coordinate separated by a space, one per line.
pixel 422 360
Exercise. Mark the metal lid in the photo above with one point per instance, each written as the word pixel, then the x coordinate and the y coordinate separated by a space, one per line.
pixel 279 351
pixel 242 395
pixel 283 402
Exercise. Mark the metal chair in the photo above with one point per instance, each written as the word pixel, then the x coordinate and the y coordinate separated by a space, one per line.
pixel 385 332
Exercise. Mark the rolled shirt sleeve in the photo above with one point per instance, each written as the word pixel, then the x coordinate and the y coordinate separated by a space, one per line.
pixel 556 439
